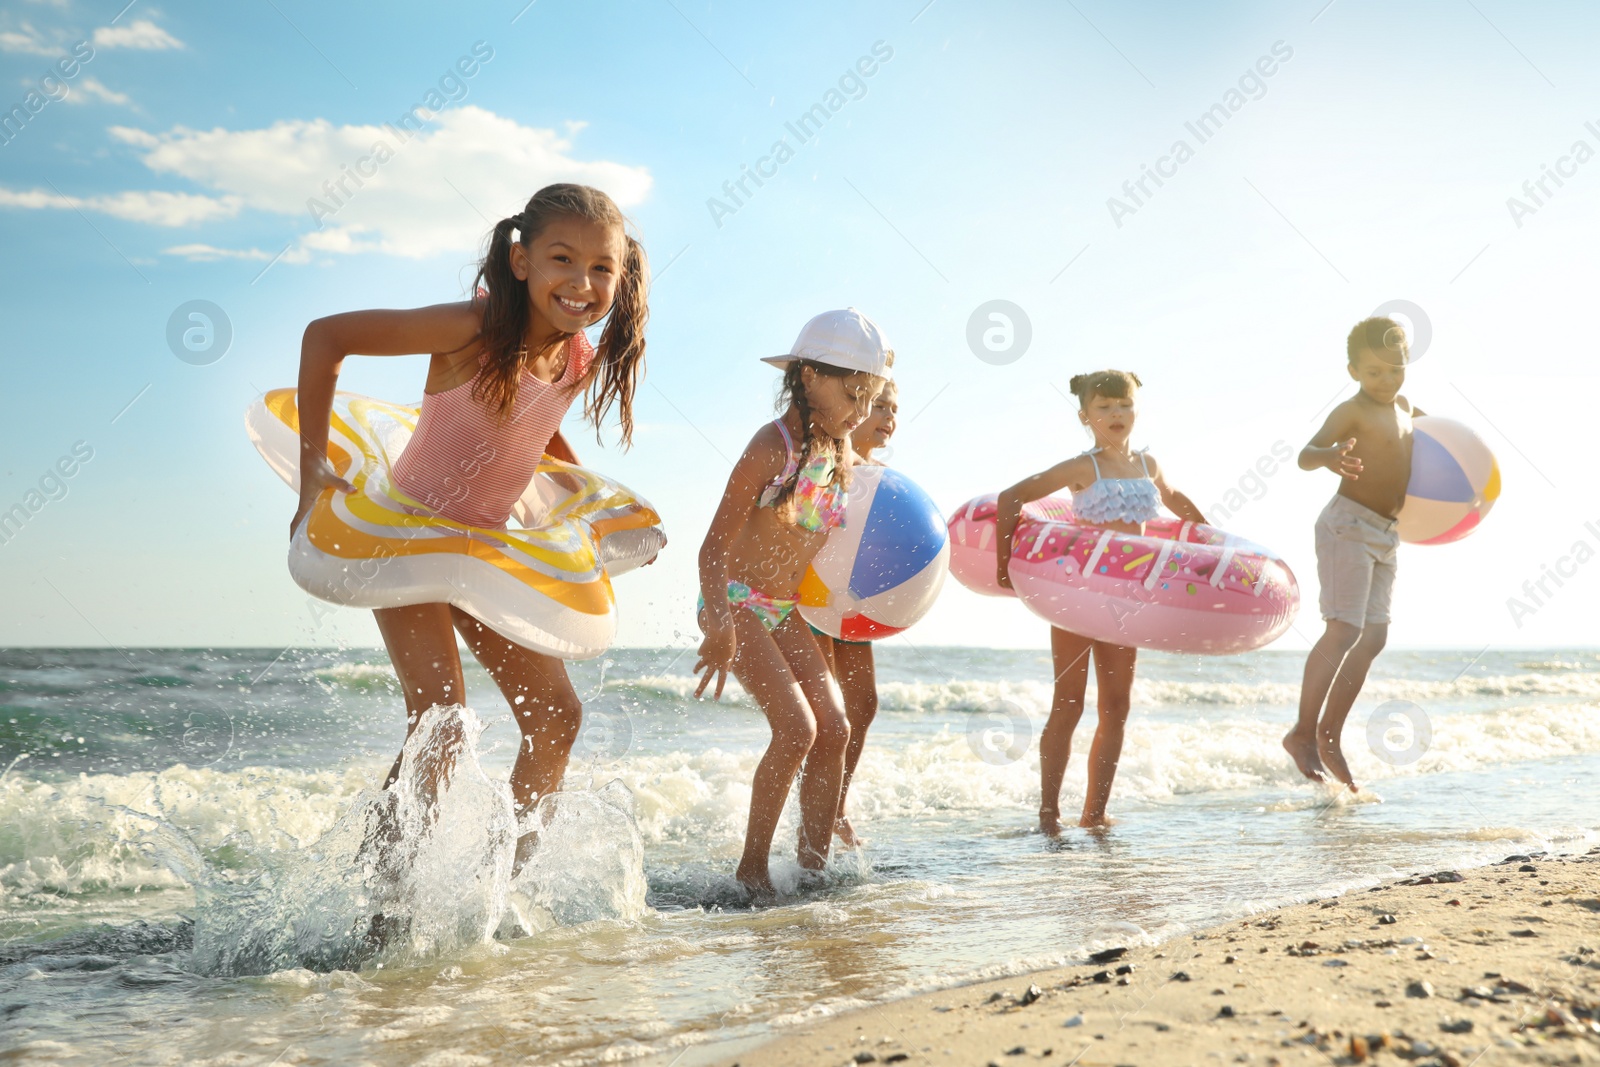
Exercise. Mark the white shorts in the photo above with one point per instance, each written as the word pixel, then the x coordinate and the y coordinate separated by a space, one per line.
pixel 1356 550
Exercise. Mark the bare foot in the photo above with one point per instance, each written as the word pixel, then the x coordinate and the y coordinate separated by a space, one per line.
pixel 1049 822
pixel 1333 758
pixel 382 931
pixel 383 845
pixel 758 883
pixel 1303 750
pixel 526 844
pixel 1096 820
pixel 810 859
pixel 847 833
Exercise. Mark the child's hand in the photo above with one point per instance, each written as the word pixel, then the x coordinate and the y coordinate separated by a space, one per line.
pixel 313 480
pixel 1341 462
pixel 716 654
pixel 1002 573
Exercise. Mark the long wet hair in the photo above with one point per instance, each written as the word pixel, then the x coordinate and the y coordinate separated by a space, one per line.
pixel 1115 384
pixel 619 358
pixel 817 442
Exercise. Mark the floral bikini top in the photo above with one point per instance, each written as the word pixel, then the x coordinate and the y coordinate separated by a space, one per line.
pixel 818 503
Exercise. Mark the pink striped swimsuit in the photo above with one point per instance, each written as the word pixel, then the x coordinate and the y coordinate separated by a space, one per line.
pixel 467 463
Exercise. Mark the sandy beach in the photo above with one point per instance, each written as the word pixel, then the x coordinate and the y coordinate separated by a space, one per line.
pixel 1499 964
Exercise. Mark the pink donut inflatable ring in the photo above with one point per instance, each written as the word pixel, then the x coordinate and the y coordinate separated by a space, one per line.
pixel 1178 587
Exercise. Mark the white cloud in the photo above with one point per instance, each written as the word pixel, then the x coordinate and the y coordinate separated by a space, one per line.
pixel 156 207
pixel 140 33
pixel 204 253
pixel 129 135
pixel 94 87
pixel 407 206
pixel 25 39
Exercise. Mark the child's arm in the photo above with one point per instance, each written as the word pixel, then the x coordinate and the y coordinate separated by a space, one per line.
pixel 1331 446
pixel 1175 501
pixel 761 462
pixel 440 328
pixel 560 448
pixel 1008 510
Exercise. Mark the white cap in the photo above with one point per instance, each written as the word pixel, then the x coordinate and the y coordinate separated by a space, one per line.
pixel 845 339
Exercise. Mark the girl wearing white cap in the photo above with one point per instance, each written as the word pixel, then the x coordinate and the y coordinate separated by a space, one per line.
pixel 786 492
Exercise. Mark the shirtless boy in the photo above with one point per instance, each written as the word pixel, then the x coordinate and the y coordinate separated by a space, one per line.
pixel 1367 442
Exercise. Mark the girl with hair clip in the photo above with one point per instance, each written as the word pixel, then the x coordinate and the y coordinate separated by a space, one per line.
pixel 1116 488
pixel 506 366
pixel 786 492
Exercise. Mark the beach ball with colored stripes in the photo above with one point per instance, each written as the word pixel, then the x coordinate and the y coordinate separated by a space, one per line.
pixel 1455 480
pixel 882 570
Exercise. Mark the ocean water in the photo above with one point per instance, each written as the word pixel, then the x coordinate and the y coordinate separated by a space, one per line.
pixel 188 874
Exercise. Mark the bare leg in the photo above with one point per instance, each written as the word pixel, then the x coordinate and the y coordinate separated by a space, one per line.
pixel 1113 675
pixel 1322 664
pixel 1069 653
pixel 823 773
pixel 857 674
pixel 422 648
pixel 543 702
pixel 1342 695
pixel 765 675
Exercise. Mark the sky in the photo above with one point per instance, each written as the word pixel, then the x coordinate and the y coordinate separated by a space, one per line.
pixel 1371 153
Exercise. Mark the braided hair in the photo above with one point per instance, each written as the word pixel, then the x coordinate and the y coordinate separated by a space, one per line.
pixel 816 442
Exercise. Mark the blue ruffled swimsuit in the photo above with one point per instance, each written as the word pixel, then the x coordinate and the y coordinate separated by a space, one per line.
pixel 1117 499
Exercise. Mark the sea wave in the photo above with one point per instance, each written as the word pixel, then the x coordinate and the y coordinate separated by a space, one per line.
pixel 963 695
pixel 359 676
pixel 90 834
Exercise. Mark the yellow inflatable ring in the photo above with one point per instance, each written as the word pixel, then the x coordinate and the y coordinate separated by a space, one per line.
pixel 542 581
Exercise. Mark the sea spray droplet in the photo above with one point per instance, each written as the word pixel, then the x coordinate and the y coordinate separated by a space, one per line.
pixel 585 863
pixel 407 873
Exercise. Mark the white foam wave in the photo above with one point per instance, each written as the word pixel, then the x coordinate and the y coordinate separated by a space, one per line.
pixel 703 796
pixel 1377 689
pixel 976 695
pixel 91 834
pixel 359 676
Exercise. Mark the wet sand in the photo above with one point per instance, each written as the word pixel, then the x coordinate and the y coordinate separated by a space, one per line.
pixel 1499 964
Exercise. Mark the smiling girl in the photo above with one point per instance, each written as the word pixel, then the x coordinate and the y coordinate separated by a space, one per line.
pixel 505 368
pixel 1118 489
pixel 786 492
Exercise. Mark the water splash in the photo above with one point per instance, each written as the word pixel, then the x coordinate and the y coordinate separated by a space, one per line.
pixel 423 869
pixel 587 863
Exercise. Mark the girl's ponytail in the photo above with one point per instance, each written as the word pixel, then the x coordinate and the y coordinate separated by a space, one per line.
pixel 504 299
pixel 620 357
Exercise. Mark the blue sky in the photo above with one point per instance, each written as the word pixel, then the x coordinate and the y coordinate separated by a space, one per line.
pixel 977 162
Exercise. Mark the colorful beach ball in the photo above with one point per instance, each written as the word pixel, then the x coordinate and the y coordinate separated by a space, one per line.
pixel 883 569
pixel 1454 482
